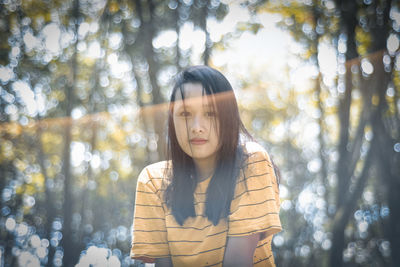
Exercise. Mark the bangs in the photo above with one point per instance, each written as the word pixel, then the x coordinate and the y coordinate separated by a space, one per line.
pixel 206 91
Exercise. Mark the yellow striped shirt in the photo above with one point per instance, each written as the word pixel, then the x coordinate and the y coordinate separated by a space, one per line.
pixel 254 209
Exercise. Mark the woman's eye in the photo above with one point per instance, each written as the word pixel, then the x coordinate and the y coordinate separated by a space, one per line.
pixel 211 114
pixel 184 114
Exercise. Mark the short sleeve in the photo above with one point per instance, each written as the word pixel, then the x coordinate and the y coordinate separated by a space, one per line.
pixel 149 234
pixel 255 206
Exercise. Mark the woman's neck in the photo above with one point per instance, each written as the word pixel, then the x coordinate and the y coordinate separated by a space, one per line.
pixel 205 168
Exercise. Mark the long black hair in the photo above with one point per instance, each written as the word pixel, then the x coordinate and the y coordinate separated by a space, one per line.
pixel 179 192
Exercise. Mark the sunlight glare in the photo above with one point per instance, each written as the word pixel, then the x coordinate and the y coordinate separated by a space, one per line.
pixel 28 259
pixel 314 165
pixel 118 68
pixel 278 240
pixel 112 59
pixel 22 229
pixel 83 30
pixel 311 130
pixel 362 226
pixel 10 224
pixel 77 113
pixel 114 261
pixel 95 161
pixel 35 241
pixel 41 252
pixel 326 244
pixel 77 153
pixel 318 236
pixel 367 67
pixel 52 34
pixel 81 46
pixel 278 132
pixel 94 50
pixel 115 40
pixel 94 27
pixel 306 198
pixel 66 39
pixel 97 256
pixel 392 43
pixel 6 74
pixel 286 204
pixel 283 191
pixel 25 93
pixel 192 39
pixel 165 39
pixel 327 60
pixel 30 41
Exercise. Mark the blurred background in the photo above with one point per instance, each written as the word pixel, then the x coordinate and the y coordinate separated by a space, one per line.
pixel 82 87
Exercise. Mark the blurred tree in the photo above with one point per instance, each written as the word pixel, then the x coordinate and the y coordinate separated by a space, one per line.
pixel 269 110
pixel 361 42
pixel 71 88
pixel 77 75
pixel 74 75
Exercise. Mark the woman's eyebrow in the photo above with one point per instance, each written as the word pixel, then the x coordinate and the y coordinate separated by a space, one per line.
pixel 183 106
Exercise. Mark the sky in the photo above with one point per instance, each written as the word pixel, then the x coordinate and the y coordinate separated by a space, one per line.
pixel 268 49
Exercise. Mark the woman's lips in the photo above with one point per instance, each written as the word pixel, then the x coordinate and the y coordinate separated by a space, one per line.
pixel 198 141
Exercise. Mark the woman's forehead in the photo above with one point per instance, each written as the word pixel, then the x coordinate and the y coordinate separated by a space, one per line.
pixel 193 94
pixel 190 90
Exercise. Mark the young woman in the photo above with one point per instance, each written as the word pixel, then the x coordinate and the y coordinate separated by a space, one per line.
pixel 215 201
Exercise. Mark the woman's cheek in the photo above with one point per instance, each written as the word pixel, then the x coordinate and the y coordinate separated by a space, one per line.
pixel 181 135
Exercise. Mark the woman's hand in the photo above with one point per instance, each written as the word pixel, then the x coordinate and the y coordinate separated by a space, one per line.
pixel 240 250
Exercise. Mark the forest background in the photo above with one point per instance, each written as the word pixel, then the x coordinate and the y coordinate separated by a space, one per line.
pixel 82 91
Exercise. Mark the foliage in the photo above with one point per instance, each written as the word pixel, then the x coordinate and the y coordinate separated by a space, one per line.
pixel 82 92
pixel 74 75
pixel 346 222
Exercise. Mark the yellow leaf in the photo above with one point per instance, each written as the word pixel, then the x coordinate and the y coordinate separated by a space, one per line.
pixel 113 7
pixel 38 180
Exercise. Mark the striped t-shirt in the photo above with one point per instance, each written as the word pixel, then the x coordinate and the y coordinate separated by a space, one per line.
pixel 254 209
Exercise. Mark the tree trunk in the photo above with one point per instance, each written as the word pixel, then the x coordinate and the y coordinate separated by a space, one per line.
pixel 5 31
pixel 389 163
pixel 388 128
pixel 158 114
pixel 348 24
pixel 144 43
pixel 177 29
pixel 203 26
pixel 69 258
pixel 49 203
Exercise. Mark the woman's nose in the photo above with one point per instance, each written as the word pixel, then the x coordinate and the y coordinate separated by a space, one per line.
pixel 197 124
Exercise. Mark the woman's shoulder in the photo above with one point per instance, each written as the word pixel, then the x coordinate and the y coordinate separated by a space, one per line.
pixel 155 172
pixel 253 151
pixel 161 165
pixel 256 163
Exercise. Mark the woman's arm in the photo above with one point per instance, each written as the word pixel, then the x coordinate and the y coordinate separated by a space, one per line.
pixel 163 262
pixel 240 250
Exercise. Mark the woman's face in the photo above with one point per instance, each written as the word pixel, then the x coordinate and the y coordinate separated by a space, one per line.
pixel 196 124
